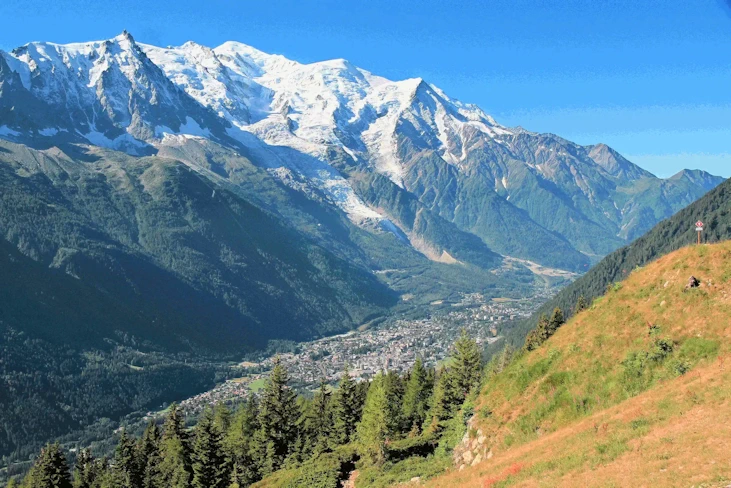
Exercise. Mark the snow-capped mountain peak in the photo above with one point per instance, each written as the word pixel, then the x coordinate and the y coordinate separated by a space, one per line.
pixel 325 128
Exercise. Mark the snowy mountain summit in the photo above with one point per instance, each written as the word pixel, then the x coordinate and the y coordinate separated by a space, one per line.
pixel 399 154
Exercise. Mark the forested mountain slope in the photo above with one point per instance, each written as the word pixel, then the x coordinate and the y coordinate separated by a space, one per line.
pixel 632 391
pixel 117 269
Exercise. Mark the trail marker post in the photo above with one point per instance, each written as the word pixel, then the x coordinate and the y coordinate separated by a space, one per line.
pixel 699 229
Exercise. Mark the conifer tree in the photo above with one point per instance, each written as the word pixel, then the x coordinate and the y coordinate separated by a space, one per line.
pixel 317 425
pixel 87 470
pixel 222 424
pixel 148 457
pixel 125 470
pixel 278 414
pixel 50 469
pixel 416 396
pixel 175 471
pixel 537 336
pixel 581 305
pixel 345 410
pixel 361 392
pixel 235 477
pixel 221 418
pixel 501 361
pixel 467 367
pixel 12 483
pixel 394 390
pixel 444 401
pixel 546 328
pixel 237 443
pixel 556 321
pixel 372 430
pixel 207 456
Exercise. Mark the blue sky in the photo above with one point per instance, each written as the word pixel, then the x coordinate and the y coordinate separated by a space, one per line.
pixel 649 78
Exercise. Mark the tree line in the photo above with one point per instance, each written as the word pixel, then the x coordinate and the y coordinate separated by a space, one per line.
pixel 277 430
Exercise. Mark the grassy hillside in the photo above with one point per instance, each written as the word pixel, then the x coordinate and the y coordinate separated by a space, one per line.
pixel 634 391
pixel 714 209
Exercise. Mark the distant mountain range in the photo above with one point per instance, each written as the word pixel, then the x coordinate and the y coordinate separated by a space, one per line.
pixel 399 157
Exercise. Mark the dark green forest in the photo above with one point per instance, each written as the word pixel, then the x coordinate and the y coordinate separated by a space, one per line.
pixel 277 438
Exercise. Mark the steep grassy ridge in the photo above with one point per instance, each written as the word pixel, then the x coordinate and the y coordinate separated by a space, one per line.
pixel 634 391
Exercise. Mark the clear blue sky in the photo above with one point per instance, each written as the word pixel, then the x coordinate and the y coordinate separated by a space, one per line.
pixel 650 78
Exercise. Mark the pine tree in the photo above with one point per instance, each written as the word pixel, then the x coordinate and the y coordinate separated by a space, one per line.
pixel 207 455
pixel 50 470
pixel 467 367
pixel 148 457
pixel 175 470
pixel 416 396
pixel 372 430
pixel 126 470
pixel 345 410
pixel 278 414
pixel 238 440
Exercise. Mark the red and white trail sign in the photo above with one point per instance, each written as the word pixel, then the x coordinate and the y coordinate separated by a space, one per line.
pixel 699 229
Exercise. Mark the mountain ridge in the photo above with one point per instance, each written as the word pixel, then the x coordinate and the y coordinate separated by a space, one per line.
pixel 304 120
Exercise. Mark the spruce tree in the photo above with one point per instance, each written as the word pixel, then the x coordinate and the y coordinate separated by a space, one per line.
pixel 345 410
pixel 372 430
pixel 556 321
pixel 394 389
pixel 50 469
pixel 125 469
pixel 445 400
pixel 148 457
pixel 416 396
pixel 207 456
pixel 222 424
pixel 278 414
pixel 317 423
pixel 86 470
pixel 321 421
pixel 175 470
pixel 221 418
pixel 237 443
pixel 466 369
pixel 537 336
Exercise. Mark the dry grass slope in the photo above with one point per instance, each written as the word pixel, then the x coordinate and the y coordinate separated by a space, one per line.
pixel 606 402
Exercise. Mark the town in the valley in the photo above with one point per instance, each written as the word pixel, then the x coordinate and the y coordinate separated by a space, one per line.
pixel 394 345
